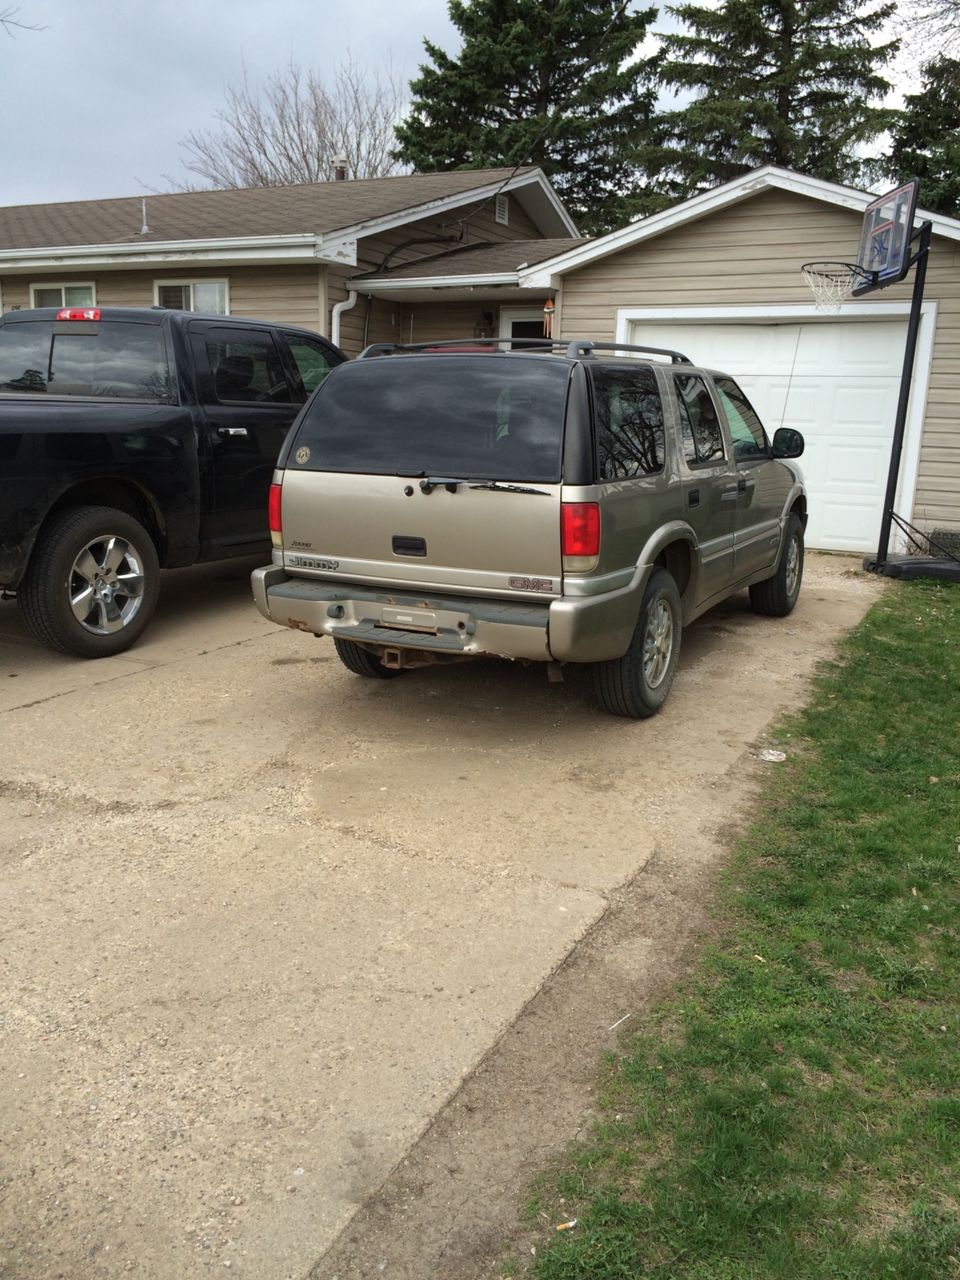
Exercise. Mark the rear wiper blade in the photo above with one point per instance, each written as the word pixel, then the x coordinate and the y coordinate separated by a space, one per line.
pixel 506 488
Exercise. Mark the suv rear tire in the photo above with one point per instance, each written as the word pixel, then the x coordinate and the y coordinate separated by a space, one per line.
pixel 637 684
pixel 776 596
pixel 361 661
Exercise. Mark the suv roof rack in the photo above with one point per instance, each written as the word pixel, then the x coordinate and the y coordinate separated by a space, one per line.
pixel 584 347
pixel 576 350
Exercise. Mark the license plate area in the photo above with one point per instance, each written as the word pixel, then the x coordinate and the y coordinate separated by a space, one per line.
pixel 422 620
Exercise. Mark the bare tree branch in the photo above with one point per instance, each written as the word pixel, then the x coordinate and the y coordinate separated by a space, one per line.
pixel 11 23
pixel 295 127
pixel 930 28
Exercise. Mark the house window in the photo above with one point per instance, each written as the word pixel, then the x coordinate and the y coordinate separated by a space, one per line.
pixel 207 296
pixel 502 209
pixel 62 295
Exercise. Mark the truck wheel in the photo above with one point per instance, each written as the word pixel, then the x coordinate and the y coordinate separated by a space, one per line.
pixel 92 584
pixel 637 684
pixel 361 661
pixel 776 596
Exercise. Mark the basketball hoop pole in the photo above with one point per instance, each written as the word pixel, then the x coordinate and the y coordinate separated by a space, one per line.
pixel 923 235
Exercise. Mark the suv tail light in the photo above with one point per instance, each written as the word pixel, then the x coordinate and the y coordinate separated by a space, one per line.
pixel 580 536
pixel 273 510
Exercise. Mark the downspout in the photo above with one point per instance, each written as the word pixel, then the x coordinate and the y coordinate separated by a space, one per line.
pixel 349 301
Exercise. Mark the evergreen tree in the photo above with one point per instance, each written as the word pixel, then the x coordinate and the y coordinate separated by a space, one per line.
pixel 785 82
pixel 554 83
pixel 926 140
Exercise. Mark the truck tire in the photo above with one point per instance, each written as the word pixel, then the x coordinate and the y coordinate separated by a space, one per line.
pixel 361 661
pixel 776 596
pixel 637 684
pixel 92 583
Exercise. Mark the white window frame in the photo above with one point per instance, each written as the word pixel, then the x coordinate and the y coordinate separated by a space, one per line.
pixel 509 314
pixel 501 210
pixel 188 283
pixel 64 284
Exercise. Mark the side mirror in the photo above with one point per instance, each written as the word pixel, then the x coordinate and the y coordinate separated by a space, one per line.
pixel 787 443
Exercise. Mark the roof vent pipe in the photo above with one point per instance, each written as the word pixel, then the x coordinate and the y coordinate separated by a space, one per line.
pixel 340 168
pixel 144 229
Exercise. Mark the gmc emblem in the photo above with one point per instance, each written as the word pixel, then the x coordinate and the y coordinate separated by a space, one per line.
pixel 530 584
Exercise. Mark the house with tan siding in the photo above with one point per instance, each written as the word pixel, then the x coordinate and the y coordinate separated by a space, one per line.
pixel 718 278
pixel 285 254
pixel 475 254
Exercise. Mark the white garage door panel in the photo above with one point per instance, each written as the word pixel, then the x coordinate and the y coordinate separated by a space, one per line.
pixel 842 395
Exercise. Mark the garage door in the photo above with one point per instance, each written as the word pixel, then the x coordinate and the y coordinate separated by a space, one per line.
pixel 842 396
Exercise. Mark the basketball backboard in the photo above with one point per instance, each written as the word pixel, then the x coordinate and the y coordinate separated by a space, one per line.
pixel 885 238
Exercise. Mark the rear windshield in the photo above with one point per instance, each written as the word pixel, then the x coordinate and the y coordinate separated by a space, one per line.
pixel 106 360
pixel 475 417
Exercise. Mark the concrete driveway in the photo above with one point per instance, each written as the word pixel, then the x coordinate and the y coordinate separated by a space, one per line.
pixel 261 918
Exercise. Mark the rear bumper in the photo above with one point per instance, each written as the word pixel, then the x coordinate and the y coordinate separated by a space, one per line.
pixel 567 630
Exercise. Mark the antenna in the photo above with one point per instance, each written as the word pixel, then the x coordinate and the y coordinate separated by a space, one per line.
pixel 144 229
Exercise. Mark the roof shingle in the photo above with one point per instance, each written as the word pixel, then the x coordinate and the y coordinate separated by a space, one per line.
pixel 311 209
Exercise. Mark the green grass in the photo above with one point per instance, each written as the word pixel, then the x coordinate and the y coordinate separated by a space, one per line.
pixel 794 1111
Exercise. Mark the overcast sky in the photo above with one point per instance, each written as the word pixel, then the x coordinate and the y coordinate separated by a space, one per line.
pixel 96 103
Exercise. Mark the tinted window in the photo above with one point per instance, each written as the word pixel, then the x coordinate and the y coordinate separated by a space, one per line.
pixel 117 361
pixel 629 418
pixel 312 359
pixel 480 417
pixel 247 368
pixel 700 427
pixel 749 437
pixel 25 356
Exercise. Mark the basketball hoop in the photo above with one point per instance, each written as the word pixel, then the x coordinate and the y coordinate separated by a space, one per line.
pixel 833 283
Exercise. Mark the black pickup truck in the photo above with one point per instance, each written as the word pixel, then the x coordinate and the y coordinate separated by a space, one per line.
pixel 135 439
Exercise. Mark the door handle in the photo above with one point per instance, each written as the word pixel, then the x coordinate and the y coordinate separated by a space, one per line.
pixel 693 498
pixel 741 486
pixel 232 431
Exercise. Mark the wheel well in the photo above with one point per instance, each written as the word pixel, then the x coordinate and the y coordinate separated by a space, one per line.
pixel 799 508
pixel 120 494
pixel 675 558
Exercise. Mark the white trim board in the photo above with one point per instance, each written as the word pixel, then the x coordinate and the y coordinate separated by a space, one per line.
pixel 545 275
pixel 807 313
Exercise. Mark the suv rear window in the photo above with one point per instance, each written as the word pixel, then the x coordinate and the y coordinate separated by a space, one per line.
pixel 476 417
pixel 113 361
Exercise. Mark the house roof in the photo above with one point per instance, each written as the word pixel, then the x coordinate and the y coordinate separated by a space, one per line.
pixel 545 274
pixel 252 211
pixel 469 262
pixel 322 219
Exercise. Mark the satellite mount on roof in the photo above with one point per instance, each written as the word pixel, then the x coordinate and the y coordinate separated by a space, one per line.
pixel 889 247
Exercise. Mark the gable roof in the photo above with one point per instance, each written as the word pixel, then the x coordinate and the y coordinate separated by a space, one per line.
pixel 769 178
pixel 327 215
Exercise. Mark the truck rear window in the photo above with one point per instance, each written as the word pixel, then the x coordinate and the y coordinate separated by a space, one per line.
pixel 103 360
pixel 476 417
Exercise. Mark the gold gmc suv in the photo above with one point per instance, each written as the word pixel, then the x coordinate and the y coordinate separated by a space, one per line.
pixel 553 503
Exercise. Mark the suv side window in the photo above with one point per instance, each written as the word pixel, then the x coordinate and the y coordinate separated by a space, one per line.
pixel 700 427
pixel 749 437
pixel 247 368
pixel 629 416
pixel 312 359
